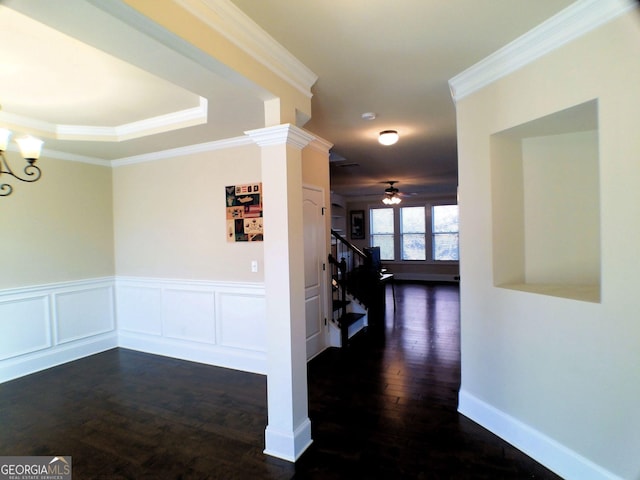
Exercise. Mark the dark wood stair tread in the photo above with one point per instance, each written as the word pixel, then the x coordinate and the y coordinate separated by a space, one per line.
pixel 349 318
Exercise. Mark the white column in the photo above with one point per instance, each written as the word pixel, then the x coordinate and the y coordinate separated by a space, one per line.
pixel 288 433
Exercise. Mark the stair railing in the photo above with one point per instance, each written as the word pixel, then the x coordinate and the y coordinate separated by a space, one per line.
pixel 341 248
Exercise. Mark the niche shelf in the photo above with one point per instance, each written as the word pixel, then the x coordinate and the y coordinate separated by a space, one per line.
pixel 546 205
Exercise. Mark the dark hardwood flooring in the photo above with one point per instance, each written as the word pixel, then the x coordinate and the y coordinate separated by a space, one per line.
pixel 383 409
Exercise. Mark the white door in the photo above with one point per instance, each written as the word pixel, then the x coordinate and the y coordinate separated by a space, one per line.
pixel 314 278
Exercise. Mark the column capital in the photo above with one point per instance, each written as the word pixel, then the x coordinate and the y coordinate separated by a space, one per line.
pixel 280 135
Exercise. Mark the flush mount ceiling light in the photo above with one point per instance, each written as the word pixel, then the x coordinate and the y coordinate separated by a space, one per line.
pixel 30 149
pixel 388 137
pixel 391 194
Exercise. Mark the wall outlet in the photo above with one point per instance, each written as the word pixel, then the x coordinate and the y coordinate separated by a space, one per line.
pixel 254 266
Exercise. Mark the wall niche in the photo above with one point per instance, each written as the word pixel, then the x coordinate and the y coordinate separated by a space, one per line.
pixel 546 205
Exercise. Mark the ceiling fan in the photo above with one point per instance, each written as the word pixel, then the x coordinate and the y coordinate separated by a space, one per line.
pixel 391 194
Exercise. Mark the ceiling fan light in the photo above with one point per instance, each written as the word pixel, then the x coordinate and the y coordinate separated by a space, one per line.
pixel 388 137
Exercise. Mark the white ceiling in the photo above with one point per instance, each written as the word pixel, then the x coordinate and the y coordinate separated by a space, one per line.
pixel 109 85
pixel 394 59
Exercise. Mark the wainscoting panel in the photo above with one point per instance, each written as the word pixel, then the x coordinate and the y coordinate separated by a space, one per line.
pixel 222 324
pixel 24 323
pixel 83 313
pixel 189 315
pixel 234 311
pixel 43 326
pixel 139 308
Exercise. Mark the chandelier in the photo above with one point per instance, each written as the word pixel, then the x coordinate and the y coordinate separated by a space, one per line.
pixel 391 194
pixel 30 149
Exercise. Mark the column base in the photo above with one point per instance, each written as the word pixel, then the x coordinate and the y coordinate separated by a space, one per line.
pixel 288 445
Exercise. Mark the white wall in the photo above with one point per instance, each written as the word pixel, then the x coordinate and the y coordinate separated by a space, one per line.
pixel 558 377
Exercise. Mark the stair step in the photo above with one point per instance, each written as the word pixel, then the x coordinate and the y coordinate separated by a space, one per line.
pixel 338 304
pixel 349 319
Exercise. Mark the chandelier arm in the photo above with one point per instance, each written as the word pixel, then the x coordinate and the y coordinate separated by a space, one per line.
pixel 5 190
pixel 32 171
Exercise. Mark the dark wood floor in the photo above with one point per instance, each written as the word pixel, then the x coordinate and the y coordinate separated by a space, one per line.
pixel 384 409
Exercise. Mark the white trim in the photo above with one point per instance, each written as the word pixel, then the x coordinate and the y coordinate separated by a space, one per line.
pixel 228 20
pixel 545 450
pixel 60 286
pixel 320 144
pixel 280 135
pixel 182 151
pixel 141 128
pixel 53 308
pixel 47 316
pixel 72 157
pixel 288 445
pixel 574 21
pixel 147 322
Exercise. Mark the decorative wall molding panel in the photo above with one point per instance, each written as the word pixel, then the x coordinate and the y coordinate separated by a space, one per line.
pixel 221 324
pixel 47 325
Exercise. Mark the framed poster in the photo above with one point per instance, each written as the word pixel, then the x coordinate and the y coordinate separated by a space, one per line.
pixel 244 213
pixel 357 224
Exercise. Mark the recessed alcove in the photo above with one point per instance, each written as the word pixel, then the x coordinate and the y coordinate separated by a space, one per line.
pixel 546 205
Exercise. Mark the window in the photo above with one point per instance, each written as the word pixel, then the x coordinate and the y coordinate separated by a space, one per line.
pixel 417 233
pixel 412 233
pixel 444 229
pixel 382 232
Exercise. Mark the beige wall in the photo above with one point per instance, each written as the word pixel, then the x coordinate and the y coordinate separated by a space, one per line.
pixel 564 368
pixel 284 103
pixel 59 228
pixel 170 217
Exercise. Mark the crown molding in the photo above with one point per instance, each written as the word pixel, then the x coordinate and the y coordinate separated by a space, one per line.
pixel 182 151
pixel 228 20
pixel 142 128
pixel 574 21
pixel 280 135
pixel 71 157
pixel 321 145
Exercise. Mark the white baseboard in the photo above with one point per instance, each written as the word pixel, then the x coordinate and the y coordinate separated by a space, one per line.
pixel 288 445
pixel 545 450
pixel 21 366
pixel 236 359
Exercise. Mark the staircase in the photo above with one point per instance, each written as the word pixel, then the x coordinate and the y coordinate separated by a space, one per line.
pixel 355 284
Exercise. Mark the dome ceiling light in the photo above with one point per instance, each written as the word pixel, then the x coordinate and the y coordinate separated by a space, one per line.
pixel 388 137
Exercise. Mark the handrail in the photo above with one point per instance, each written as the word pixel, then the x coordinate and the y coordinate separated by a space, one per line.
pixel 348 243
